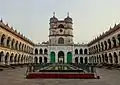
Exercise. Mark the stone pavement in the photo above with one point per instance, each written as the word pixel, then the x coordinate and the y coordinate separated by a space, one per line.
pixel 16 77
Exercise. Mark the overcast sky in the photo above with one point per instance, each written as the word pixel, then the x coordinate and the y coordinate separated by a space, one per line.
pixel 31 17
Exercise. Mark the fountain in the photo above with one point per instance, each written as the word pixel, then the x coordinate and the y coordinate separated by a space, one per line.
pixel 60 70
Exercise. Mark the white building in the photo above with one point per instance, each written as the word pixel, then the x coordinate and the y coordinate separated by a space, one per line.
pixel 60 46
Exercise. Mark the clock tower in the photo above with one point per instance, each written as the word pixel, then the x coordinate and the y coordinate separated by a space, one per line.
pixel 60 31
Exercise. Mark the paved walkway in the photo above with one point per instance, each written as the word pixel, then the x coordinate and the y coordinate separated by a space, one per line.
pixel 16 77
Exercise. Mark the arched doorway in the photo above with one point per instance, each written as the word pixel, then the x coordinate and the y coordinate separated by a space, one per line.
pixel 81 60
pixel 45 59
pixel 103 59
pixel 6 58
pixel 35 60
pixel 76 60
pixel 99 59
pixel 11 58
pixel 52 57
pixel 60 57
pixel 69 57
pixel 40 59
pixel 106 58
pixel 1 56
pixel 86 60
pixel 115 58
pixel 15 59
pixel 110 58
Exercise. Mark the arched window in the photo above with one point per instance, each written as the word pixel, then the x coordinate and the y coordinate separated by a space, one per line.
pixel 16 45
pixel 109 42
pixel 85 51
pixel 102 46
pixel 36 51
pixel 60 26
pixel 114 41
pixel 41 51
pixel 76 51
pixel 8 41
pixel 60 40
pixel 2 39
pixel 20 46
pixel 12 44
pixel 45 51
pixel 81 51
pixel 105 45
pixel 118 38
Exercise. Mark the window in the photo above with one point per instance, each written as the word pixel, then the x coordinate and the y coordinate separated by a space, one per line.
pixel 61 41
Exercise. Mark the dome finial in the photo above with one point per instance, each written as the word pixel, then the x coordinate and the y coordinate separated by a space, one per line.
pixel 1 20
pixel 53 14
pixel 68 14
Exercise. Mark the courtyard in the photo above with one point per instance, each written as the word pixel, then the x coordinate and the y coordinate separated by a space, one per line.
pixel 17 77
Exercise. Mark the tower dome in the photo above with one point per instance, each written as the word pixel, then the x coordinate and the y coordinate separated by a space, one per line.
pixel 68 19
pixel 53 19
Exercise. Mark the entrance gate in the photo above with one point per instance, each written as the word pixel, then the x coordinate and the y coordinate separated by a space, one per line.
pixel 69 57
pixel 52 57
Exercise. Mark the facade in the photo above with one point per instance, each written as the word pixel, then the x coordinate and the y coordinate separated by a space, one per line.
pixel 14 47
pixel 106 47
pixel 60 47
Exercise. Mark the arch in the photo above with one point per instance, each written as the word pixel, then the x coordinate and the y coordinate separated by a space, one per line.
pixel 69 57
pixel 52 57
pixel 102 46
pixel 81 51
pixel 118 37
pixel 45 59
pixel 40 59
pixel 105 43
pixel 11 58
pixel 20 46
pixel 60 57
pixel 45 51
pixel 3 39
pixel 15 58
pixel 19 58
pixel 60 40
pixel 96 48
pixel 76 51
pixel 36 51
pixel 110 58
pixel 103 59
pixel 76 60
pixel 16 45
pixel 95 59
pixel 86 60
pixel 109 42
pixel 6 58
pixel 114 41
pixel 1 55
pixel 85 51
pixel 106 58
pixel 8 41
pixel 81 60
pixel 41 51
pixel 99 47
pixel 99 58
pixel 115 58
pixel 61 26
pixel 12 43
pixel 35 60
pixel 22 59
